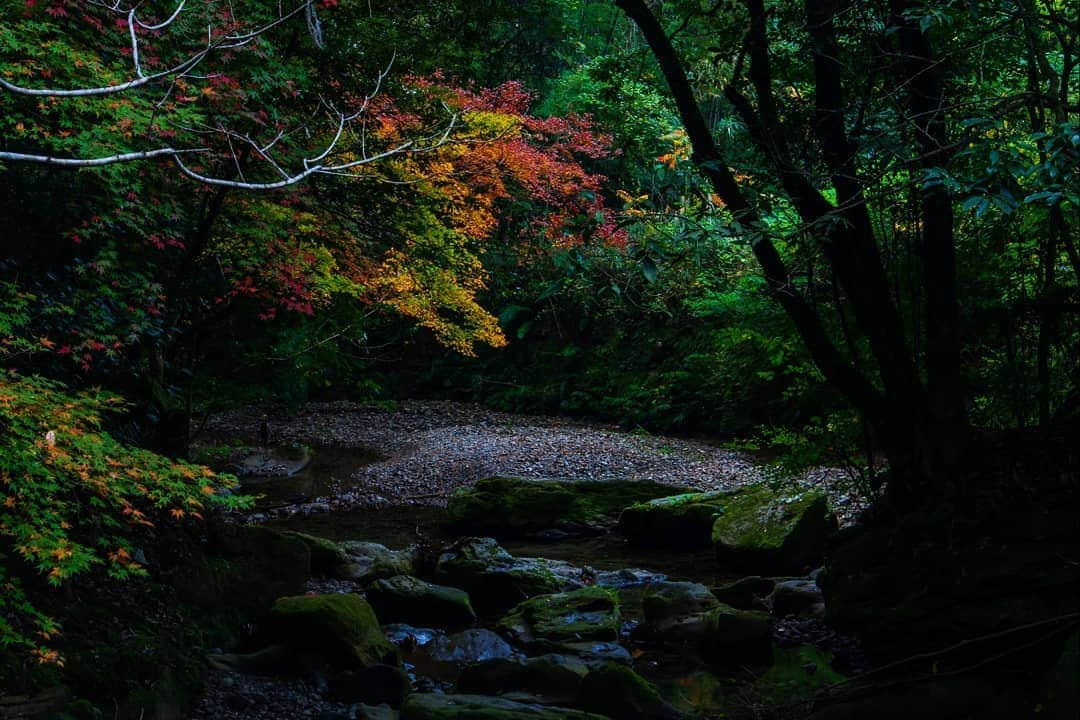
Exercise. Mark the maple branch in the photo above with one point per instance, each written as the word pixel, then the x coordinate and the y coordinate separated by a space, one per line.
pixel 179 70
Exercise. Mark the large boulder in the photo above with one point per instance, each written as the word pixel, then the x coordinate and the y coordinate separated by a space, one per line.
pixel 326 555
pixel 547 679
pixel 495 579
pixel 406 599
pixel 619 693
pixel 682 521
pixel 514 506
pixel 423 706
pixel 342 629
pixel 367 561
pixel 590 613
pixel 243 568
pixel 778 531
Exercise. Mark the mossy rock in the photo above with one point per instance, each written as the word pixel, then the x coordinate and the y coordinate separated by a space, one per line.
pixel 367 561
pixel 551 679
pixel 777 531
pixel 513 506
pixel 406 599
pixel 326 555
pixel 733 637
pixel 684 521
pixel 423 706
pixel 667 600
pixel 342 629
pixel 496 580
pixel 243 568
pixel 590 613
pixel 621 694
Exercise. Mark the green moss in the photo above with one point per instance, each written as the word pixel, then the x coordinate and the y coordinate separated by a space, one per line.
pixel 326 555
pixel 506 506
pixel 682 521
pixel 796 673
pixel 408 599
pixel 590 613
pixel 343 628
pixel 778 531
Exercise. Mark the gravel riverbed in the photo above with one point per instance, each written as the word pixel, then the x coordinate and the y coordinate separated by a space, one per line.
pixel 430 448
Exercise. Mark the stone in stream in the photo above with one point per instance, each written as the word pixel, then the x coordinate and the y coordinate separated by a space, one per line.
pixel 684 521
pixel 367 561
pixel 514 506
pixel 590 613
pixel 596 653
pixel 547 679
pixel 468 647
pixel 797 597
pixel 342 629
pixel 406 599
pixel 669 600
pixel 619 693
pixel 435 706
pixel 777 531
pixel 495 579
pixel 746 593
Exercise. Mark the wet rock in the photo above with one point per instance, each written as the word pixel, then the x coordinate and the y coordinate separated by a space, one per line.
pixel 779 531
pixel 733 637
pixel 495 579
pixel 547 679
pixel 797 597
pixel 407 599
pixel 420 706
pixel 367 561
pixel 627 578
pixel 596 653
pixel 375 685
pixel 407 635
pixel 619 693
pixel 683 521
pixel 590 613
pixel 342 629
pixel 747 593
pixel 514 506
pixel 670 600
pixel 468 647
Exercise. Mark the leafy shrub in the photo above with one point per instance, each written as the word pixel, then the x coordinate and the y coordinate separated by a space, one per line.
pixel 73 498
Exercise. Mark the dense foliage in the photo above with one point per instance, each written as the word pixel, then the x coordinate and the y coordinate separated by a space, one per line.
pixel 846 229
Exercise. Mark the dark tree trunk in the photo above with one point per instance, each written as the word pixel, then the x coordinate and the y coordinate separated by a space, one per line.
pixel 921 427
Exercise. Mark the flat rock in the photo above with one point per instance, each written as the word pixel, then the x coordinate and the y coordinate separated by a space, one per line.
pixel 406 599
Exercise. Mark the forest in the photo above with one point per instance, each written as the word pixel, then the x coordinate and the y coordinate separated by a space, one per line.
pixel 539 359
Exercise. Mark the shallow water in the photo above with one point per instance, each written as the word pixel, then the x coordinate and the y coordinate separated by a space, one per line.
pixel 680 675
